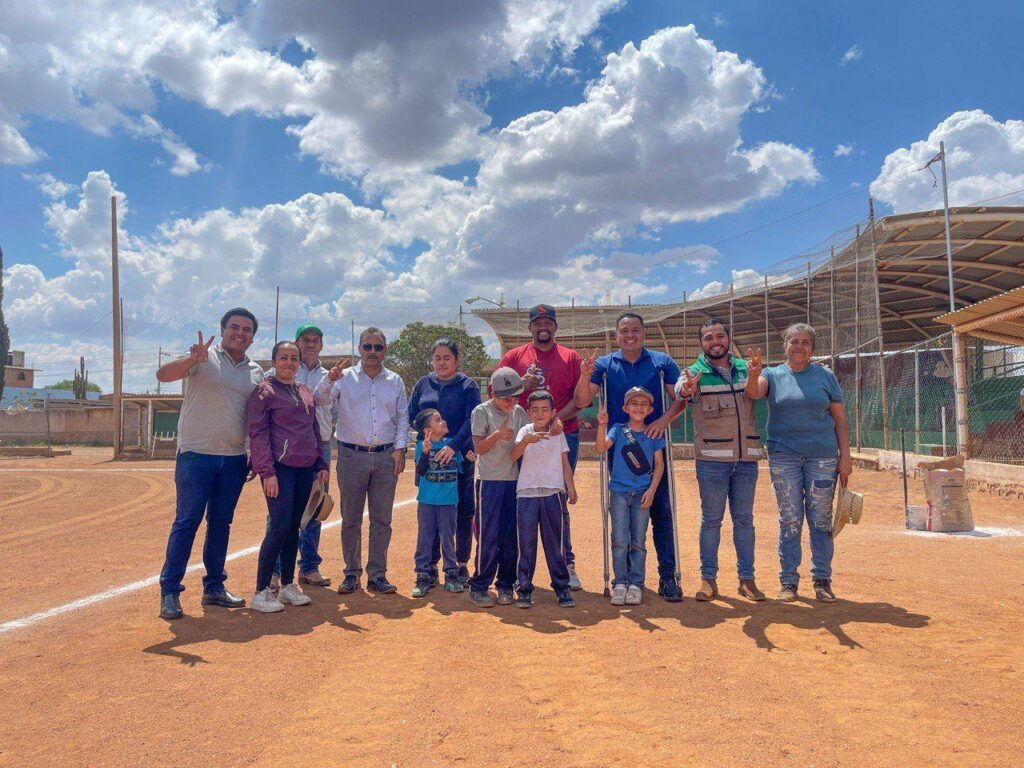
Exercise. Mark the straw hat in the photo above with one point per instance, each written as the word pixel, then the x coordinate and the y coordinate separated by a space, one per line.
pixel 849 505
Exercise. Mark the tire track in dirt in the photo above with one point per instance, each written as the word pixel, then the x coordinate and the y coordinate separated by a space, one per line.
pixel 156 491
pixel 37 494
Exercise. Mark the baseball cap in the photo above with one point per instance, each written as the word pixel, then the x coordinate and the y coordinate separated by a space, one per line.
pixel 635 391
pixel 543 310
pixel 308 327
pixel 505 382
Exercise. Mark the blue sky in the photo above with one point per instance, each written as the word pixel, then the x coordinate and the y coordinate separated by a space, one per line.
pixel 385 188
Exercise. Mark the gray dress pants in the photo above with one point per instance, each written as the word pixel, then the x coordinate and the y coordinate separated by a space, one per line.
pixel 365 476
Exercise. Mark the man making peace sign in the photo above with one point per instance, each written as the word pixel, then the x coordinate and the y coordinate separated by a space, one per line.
pixel 210 468
pixel 727 447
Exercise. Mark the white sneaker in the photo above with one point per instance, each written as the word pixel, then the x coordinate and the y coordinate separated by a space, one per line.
pixel 275 583
pixel 291 595
pixel 265 602
pixel 634 595
pixel 619 594
pixel 574 581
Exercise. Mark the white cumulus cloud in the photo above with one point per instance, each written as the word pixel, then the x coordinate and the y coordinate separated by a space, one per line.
pixel 984 159
pixel 843 150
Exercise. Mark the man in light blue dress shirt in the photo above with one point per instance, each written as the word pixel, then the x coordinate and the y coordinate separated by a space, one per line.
pixel 372 435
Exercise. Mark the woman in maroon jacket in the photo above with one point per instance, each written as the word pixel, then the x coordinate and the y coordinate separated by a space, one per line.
pixel 284 449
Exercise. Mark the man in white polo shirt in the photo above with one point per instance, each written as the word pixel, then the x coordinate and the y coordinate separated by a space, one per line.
pixel 211 464
pixel 372 433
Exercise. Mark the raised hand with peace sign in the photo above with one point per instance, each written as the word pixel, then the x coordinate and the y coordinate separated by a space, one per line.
pixel 588 364
pixel 689 383
pixel 755 362
pixel 200 353
pixel 339 369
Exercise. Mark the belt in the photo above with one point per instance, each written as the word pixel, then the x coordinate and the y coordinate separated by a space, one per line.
pixel 368 448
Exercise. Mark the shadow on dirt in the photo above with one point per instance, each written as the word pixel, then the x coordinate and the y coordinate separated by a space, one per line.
pixel 244 625
pixel 591 609
pixel 654 615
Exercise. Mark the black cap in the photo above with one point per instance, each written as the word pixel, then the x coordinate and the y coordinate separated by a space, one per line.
pixel 543 310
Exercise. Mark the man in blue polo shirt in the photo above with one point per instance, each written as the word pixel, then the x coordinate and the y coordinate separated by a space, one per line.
pixel 633 365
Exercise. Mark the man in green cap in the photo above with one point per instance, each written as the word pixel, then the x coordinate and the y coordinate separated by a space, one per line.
pixel 310 339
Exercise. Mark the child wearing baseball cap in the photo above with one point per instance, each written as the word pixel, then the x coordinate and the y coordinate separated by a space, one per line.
pixel 636 468
pixel 495 424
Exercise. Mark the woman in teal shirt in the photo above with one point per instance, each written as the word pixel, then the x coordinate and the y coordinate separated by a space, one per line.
pixel 808 448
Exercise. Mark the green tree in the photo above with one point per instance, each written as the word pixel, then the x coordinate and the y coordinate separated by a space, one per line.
pixel 5 336
pixel 69 384
pixel 409 354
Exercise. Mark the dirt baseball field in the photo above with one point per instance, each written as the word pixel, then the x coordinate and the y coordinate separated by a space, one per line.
pixel 918 664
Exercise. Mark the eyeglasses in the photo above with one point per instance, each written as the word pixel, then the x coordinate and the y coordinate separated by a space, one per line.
pixel 368 347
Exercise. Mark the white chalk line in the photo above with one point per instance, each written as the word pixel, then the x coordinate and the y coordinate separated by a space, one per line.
pixel 980 532
pixel 135 586
pixel 92 471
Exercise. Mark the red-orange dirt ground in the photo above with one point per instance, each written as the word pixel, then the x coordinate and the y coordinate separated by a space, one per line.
pixel 918 664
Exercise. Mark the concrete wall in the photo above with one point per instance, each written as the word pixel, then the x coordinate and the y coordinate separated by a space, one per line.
pixel 92 425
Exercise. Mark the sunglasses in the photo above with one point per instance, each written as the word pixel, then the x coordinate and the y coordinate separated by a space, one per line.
pixel 367 347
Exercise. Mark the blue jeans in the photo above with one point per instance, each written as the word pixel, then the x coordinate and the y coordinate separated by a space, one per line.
pixel 309 537
pixel 573 439
pixel 721 481
pixel 661 525
pixel 436 523
pixel 206 485
pixel 804 489
pixel 629 537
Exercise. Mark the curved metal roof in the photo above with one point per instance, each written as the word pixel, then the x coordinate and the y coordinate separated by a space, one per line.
pixel 833 288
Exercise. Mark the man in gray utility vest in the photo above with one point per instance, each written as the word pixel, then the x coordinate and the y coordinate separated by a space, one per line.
pixel 727 448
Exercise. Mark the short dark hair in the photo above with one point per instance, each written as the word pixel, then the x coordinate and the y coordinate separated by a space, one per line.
pixel 446 342
pixel 627 315
pixel 421 421
pixel 283 342
pixel 540 394
pixel 243 312
pixel 710 322
pixel 373 331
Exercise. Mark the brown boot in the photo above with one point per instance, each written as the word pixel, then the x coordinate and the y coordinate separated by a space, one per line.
pixel 708 590
pixel 749 590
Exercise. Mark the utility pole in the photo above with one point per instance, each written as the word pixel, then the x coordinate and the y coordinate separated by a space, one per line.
pixel 959 350
pixel 277 311
pixel 115 297
pixel 159 362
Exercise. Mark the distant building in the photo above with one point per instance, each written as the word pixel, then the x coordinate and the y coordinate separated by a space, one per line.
pixel 15 372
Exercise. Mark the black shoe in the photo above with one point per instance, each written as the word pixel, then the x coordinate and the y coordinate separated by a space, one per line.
pixel 481 599
pixel 670 591
pixel 565 599
pixel 349 585
pixel 823 591
pixel 524 601
pixel 463 576
pixel 170 607
pixel 382 585
pixel 434 581
pixel 422 585
pixel 224 599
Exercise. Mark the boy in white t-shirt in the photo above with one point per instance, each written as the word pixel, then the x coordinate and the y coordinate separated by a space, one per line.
pixel 545 484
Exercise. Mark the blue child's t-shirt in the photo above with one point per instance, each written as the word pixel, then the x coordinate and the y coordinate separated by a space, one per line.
pixel 633 463
pixel 799 421
pixel 440 484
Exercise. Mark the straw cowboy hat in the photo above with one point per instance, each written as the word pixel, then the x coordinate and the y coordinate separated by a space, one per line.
pixel 318 507
pixel 849 505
